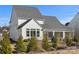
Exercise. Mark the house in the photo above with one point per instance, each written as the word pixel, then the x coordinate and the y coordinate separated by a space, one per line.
pixel 74 24
pixel 26 20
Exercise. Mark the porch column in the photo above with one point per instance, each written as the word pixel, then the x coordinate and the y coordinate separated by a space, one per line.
pixel 53 33
pixel 63 34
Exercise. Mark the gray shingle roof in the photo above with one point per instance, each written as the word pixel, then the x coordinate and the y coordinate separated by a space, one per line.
pixel 50 22
pixel 26 11
pixel 74 23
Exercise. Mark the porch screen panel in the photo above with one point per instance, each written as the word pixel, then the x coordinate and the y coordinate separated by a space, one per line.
pixel 50 34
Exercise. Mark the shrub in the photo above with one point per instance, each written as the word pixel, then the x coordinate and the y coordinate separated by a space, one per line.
pixel 68 42
pixel 54 42
pixel 20 47
pixel 45 43
pixel 58 43
pixel 26 40
pixel 76 39
pixel 33 45
pixel 5 44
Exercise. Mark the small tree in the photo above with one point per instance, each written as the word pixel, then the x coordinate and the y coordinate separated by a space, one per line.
pixel 33 45
pixel 45 43
pixel 54 42
pixel 58 43
pixel 68 41
pixel 76 39
pixel 20 47
pixel 5 44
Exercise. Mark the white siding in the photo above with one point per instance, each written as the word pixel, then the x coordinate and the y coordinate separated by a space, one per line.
pixel 32 25
pixel 14 32
pixel 20 21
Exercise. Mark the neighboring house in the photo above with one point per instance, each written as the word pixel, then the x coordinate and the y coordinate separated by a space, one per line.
pixel 26 20
pixel 74 24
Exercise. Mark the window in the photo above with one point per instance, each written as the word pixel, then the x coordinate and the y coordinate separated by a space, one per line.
pixel 33 32
pixel 27 32
pixel 38 33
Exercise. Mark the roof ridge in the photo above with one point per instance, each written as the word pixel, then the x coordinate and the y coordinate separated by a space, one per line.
pixel 22 6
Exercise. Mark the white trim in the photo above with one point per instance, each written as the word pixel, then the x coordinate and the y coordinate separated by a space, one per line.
pixel 63 34
pixel 53 33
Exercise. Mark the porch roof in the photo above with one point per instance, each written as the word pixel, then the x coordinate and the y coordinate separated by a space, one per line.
pixel 52 24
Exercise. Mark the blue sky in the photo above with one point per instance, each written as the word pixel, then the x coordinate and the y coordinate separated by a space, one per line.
pixel 64 13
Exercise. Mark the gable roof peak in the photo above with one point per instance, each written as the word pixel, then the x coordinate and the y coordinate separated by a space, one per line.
pixel 21 25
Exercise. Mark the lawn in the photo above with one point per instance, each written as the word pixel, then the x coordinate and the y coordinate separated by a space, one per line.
pixel 74 51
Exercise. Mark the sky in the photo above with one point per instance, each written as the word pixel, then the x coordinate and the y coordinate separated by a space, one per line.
pixel 64 13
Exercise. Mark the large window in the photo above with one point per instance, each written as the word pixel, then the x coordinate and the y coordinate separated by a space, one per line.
pixel 31 32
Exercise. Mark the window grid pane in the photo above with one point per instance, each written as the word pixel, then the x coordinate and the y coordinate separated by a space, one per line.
pixel 33 32
pixel 27 32
pixel 38 32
